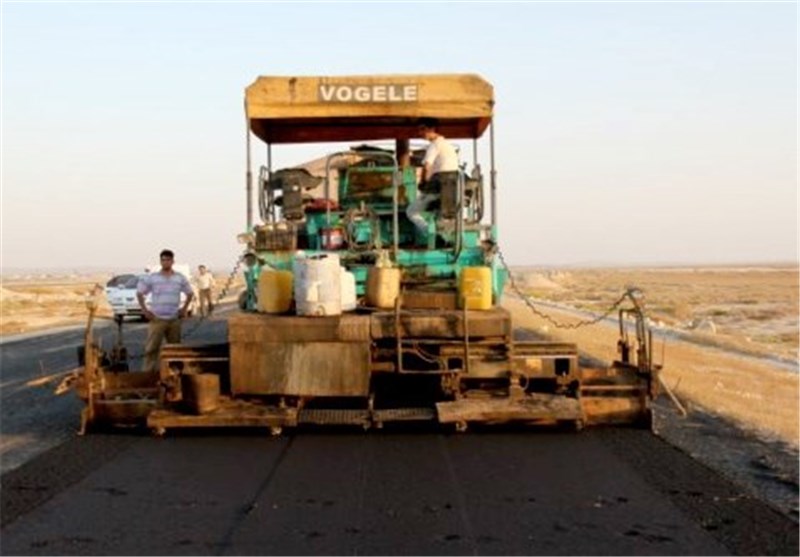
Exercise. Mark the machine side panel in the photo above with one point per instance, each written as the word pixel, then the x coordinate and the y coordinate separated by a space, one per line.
pixel 300 368
pixel 259 327
pixel 441 324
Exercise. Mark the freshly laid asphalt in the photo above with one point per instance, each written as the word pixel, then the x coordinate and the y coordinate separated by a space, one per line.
pixel 411 492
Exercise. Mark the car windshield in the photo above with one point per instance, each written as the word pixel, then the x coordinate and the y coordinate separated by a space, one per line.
pixel 124 281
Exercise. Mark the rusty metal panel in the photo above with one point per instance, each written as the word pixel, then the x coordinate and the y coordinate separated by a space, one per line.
pixel 122 411
pixel 259 327
pixel 441 324
pixel 427 299
pixel 129 381
pixel 231 413
pixel 487 369
pixel 614 410
pixel 534 407
pixel 549 367
pixel 300 368
pixel 354 328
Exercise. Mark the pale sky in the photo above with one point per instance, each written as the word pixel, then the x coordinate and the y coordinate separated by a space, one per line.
pixel 626 133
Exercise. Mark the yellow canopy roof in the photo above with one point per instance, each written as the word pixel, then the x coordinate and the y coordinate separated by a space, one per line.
pixel 352 108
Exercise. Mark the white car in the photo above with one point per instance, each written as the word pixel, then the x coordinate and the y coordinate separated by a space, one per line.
pixel 121 295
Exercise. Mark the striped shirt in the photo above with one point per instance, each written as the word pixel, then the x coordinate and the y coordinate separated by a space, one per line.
pixel 165 302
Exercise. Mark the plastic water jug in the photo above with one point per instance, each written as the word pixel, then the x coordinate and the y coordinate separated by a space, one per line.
pixel 475 288
pixel 383 286
pixel 274 291
pixel 349 298
pixel 318 284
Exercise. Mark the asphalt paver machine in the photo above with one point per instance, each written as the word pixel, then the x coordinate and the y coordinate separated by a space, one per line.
pixel 351 316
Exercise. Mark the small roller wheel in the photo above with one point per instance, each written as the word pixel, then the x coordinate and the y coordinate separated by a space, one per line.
pixel 158 431
pixel 461 426
pixel 275 430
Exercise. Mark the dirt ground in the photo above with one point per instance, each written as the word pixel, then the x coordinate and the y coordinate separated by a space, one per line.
pixel 748 309
pixel 728 336
pixel 46 301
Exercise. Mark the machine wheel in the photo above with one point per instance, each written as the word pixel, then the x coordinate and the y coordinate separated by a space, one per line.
pixel 275 430
pixel 158 431
pixel 461 427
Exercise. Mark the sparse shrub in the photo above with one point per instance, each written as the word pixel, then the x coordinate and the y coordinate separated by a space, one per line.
pixel 763 314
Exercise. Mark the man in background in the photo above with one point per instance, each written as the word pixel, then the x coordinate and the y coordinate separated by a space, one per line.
pixel 165 311
pixel 205 288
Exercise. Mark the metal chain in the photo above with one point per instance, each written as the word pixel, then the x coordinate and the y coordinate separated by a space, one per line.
pixel 546 317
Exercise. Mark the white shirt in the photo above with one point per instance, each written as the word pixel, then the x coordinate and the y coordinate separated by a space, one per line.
pixel 441 155
pixel 205 281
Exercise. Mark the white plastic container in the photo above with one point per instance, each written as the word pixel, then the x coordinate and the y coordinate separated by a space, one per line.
pixel 349 298
pixel 318 284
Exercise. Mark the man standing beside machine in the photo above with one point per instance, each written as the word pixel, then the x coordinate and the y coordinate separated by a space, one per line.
pixel 165 311
pixel 439 166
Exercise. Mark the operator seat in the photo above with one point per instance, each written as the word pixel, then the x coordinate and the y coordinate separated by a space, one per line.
pixel 448 193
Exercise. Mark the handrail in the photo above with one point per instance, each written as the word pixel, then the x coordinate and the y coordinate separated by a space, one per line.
pixel 459 217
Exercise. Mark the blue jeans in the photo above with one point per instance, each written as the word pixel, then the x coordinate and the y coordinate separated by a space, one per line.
pixel 414 210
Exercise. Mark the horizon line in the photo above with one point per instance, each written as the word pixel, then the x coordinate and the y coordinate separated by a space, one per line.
pixel 579 264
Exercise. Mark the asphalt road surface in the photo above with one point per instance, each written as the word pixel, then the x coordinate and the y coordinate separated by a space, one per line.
pixel 418 491
pixel 32 418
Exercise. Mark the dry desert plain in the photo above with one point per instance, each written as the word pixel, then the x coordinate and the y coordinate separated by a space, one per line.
pixel 728 335
pixel 47 300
